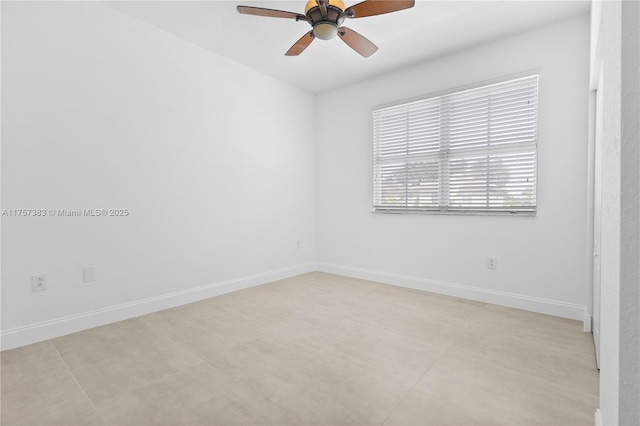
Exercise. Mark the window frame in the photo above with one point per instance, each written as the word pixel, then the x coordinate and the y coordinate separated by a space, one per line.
pixel 443 184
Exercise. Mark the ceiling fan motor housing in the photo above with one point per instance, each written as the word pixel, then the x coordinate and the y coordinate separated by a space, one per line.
pixel 325 22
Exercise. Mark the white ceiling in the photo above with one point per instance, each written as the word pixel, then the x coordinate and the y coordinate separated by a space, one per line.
pixel 424 32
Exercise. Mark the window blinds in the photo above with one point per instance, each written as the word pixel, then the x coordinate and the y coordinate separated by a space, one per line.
pixel 472 151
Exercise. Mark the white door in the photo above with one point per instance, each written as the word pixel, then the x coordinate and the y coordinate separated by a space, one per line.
pixel 597 222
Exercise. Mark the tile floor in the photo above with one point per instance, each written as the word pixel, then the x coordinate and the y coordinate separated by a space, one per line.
pixel 317 349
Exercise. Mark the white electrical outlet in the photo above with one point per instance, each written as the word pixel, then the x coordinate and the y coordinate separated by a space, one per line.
pixel 88 274
pixel 298 245
pixel 38 282
pixel 492 263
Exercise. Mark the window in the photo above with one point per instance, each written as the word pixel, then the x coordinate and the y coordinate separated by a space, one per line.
pixel 472 151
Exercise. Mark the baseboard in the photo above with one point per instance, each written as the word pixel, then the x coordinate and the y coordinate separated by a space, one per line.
pixel 528 303
pixel 33 333
pixel 38 332
pixel 587 324
pixel 597 421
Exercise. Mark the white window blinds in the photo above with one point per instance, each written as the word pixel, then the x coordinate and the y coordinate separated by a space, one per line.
pixel 472 151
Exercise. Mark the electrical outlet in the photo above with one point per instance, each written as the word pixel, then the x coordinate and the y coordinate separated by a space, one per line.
pixel 492 263
pixel 38 282
pixel 88 274
pixel 298 245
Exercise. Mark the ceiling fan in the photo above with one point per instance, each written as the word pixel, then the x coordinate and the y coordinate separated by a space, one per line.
pixel 326 18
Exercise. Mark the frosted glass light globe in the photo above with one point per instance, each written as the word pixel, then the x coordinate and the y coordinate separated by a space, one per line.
pixel 325 30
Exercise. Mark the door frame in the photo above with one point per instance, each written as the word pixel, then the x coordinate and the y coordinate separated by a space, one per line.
pixel 594 216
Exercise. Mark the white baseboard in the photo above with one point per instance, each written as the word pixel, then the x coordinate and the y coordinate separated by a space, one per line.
pixel 587 324
pixel 38 332
pixel 33 333
pixel 597 421
pixel 528 303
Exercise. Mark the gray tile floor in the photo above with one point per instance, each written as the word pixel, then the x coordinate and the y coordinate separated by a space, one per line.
pixel 313 349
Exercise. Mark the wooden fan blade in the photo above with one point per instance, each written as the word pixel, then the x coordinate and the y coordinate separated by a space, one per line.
pixel 260 11
pixel 357 42
pixel 377 7
pixel 301 44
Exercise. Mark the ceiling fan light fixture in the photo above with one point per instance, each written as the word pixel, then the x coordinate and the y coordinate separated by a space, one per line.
pixel 326 18
pixel 313 3
pixel 325 30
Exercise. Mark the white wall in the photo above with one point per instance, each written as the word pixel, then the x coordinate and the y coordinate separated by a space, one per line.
pixel 630 217
pixel 541 262
pixel 609 43
pixel 616 53
pixel 214 161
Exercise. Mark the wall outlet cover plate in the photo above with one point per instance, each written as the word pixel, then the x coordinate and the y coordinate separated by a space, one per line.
pixel 88 274
pixel 38 282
